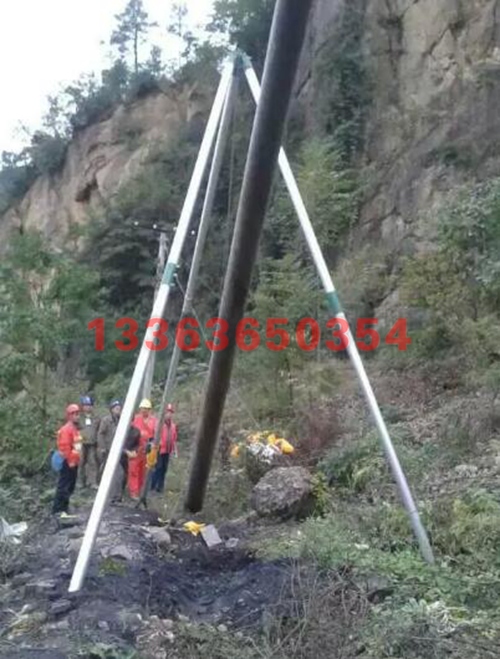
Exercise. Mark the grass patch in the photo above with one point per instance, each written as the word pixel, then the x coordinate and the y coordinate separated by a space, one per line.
pixel 112 566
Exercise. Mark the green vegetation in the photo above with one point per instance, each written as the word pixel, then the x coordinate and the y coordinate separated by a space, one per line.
pixel 343 84
pixel 46 297
pixel 458 285
pixel 247 22
pixel 359 534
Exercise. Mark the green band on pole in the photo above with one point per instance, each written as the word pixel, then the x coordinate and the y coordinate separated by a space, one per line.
pixel 334 302
pixel 168 277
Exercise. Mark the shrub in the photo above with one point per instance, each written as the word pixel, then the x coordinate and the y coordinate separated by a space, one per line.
pixel 48 152
pixel 355 467
pixel 459 283
pixel 469 525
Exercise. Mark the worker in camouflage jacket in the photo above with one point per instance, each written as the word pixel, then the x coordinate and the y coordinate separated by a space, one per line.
pixel 89 425
pixel 106 432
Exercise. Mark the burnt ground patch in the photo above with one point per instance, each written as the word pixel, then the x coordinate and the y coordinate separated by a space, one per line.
pixel 129 580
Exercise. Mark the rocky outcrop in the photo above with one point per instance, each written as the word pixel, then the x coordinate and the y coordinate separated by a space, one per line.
pixel 101 159
pixel 434 73
pixel 434 122
pixel 433 70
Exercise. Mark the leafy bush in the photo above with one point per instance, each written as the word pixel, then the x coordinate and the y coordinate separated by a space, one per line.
pixel 469 525
pixel 363 281
pixel 48 152
pixel 460 282
pixel 354 468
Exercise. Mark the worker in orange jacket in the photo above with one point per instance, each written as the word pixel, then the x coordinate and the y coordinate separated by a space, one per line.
pixel 69 445
pixel 145 422
pixel 168 447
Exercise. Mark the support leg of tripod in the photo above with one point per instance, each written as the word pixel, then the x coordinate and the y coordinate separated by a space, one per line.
pixel 187 307
pixel 158 310
pixel 336 309
pixel 213 181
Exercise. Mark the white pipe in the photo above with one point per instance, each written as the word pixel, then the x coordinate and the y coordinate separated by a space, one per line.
pixel 352 349
pixel 220 147
pixel 158 310
pixel 150 369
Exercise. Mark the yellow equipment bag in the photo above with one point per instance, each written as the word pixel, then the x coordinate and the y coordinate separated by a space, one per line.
pixel 285 447
pixel 152 457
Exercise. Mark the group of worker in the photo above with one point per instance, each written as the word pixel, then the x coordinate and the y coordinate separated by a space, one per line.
pixel 86 438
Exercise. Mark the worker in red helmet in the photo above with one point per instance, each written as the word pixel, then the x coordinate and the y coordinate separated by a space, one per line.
pixel 168 447
pixel 69 445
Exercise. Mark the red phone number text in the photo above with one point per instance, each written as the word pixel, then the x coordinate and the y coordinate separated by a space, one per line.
pixel 248 337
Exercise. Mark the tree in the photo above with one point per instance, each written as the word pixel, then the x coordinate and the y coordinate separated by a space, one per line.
pixel 178 27
pixel 154 65
pixel 16 175
pixel 132 28
pixel 289 291
pixel 178 15
pixel 247 22
pixel 46 301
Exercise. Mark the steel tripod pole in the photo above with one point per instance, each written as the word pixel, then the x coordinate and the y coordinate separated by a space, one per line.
pixel 157 313
pixel 150 370
pixel 206 216
pixel 335 307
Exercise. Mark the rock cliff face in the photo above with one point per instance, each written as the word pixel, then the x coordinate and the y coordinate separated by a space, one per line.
pixel 433 120
pixel 101 159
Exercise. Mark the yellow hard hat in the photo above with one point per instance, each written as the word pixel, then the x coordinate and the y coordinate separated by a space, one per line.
pixel 145 404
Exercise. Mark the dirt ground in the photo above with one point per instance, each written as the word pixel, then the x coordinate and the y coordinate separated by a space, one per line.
pixel 137 572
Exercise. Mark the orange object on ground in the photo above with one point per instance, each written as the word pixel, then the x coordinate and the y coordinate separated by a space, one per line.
pixel 137 466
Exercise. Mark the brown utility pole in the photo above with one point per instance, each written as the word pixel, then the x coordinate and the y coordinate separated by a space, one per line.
pixel 285 45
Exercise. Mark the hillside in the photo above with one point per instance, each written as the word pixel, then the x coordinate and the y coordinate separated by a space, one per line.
pixel 101 159
pixel 426 117
pixel 394 137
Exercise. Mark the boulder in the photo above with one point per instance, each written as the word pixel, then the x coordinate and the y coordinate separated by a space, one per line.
pixel 260 459
pixel 284 492
pixel 160 536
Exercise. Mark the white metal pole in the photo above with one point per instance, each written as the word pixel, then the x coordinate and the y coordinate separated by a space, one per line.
pixel 158 310
pixel 162 255
pixel 213 181
pixel 336 308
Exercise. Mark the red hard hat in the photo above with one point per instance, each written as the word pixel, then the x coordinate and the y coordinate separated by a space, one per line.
pixel 71 409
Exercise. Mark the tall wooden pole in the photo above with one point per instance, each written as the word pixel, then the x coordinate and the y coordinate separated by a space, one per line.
pixel 285 45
